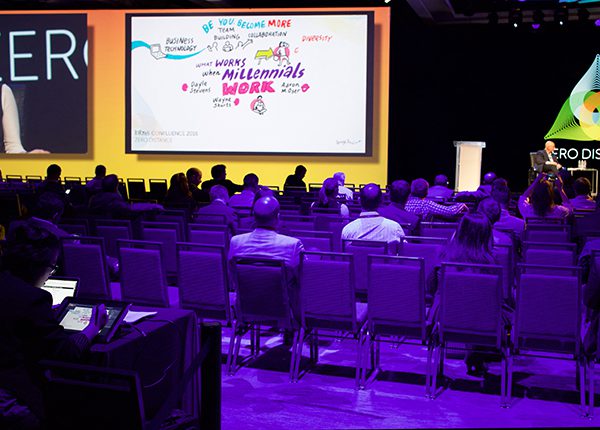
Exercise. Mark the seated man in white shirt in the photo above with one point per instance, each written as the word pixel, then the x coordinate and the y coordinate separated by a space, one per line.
pixel 265 242
pixel 342 190
pixel 370 225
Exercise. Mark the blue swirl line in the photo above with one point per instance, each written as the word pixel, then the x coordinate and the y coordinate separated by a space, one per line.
pixel 141 44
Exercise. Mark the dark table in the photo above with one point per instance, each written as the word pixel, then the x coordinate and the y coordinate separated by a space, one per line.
pixel 160 348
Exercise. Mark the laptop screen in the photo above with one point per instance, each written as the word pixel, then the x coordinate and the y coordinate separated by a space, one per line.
pixel 60 288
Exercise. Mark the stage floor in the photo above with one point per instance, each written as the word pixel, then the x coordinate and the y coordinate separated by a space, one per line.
pixel 260 396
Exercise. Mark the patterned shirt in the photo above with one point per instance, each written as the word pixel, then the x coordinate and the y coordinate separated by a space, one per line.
pixel 426 207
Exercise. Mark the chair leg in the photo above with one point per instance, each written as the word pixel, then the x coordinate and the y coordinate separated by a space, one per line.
pixel 591 379
pixel 509 375
pixel 314 346
pixel 236 351
pixel 438 369
pixel 231 345
pixel 428 370
pixel 293 356
pixel 503 367
pixel 298 352
pixel 581 367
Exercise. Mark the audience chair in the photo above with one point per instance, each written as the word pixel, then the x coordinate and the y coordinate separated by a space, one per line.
pixel 200 218
pixel 314 240
pixel 361 249
pixel 85 258
pixel 544 220
pixel 179 216
pixel 143 280
pixel 136 188
pixel 334 224
pixel 590 294
pixel 71 181
pixel 296 222
pixel 263 298
pixel 548 317
pixel 203 282
pixel 549 254
pixel 112 230
pixel 77 226
pixel 439 229
pixel 475 322
pixel 82 396
pixel 14 179
pixel 551 233
pixel 33 179
pixel 158 189
pixel 168 234
pixel 122 189
pixel 429 248
pixel 396 311
pixel 209 234
pixel 505 256
pixel 329 303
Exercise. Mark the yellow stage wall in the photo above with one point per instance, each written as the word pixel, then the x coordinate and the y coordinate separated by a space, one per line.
pixel 106 127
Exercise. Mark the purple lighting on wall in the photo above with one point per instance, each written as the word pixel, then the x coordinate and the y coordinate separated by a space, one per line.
pixel 597 23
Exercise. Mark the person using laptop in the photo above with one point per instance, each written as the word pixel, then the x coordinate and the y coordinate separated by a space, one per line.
pixel 29 331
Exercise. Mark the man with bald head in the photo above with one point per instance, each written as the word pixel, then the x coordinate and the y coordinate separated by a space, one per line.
pixel 265 242
pixel 370 225
pixel 545 161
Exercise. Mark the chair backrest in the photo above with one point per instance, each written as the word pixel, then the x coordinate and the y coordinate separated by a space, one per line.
pixel 549 254
pixel 262 291
pixel 296 222
pixel 158 189
pixel 14 179
pixel 334 224
pixel 396 296
pixel 314 240
pixel 471 304
pixel 548 308
pixel 544 220
pixel 202 218
pixel 209 234
pixel 505 256
pixel 438 229
pixel 551 233
pixel 143 279
pixel 79 396
pixel 78 226
pixel 85 258
pixel 428 248
pixel 361 249
pixel 122 188
pixel 178 216
pixel 113 230
pixel 136 188
pixel 167 233
pixel 327 290
pixel 71 181
pixel 202 278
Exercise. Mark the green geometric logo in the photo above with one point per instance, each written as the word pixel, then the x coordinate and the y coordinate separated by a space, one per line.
pixel 579 118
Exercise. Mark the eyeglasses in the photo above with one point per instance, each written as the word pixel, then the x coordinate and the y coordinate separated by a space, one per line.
pixel 54 268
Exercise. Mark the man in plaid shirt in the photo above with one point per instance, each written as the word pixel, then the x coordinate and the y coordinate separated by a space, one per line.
pixel 419 205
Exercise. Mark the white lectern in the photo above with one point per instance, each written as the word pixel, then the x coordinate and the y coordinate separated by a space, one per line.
pixel 468 165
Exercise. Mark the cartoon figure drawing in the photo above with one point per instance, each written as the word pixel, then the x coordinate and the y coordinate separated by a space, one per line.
pixel 264 54
pixel 243 44
pixel 258 105
pixel 214 46
pixel 228 47
pixel 282 53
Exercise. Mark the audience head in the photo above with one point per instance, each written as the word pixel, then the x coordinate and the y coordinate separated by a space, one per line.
pixel 218 171
pixel 582 186
pixel 53 172
pixel 473 241
pixel 300 171
pixel 100 171
pixel 340 177
pixel 550 146
pixel 441 180
pixel 219 192
pixel 399 191
pixel 490 208
pixel 489 178
pixel 329 191
pixel 110 183
pixel 419 188
pixel 251 182
pixel 542 198
pixel 501 192
pixel 31 252
pixel 266 212
pixel 370 197
pixel 49 207
pixel 179 182
pixel 194 176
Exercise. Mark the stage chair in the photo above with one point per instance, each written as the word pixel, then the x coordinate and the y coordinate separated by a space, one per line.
pixel 548 317
pixel 329 303
pixel 477 321
pixel 85 258
pixel 203 281
pixel 261 285
pixel 143 280
pixel 396 311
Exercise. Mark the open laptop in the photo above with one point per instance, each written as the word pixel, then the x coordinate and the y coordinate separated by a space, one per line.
pixel 61 288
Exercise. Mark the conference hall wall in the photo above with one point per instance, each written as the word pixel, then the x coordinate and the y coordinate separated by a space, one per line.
pixel 351 100
pixel 503 86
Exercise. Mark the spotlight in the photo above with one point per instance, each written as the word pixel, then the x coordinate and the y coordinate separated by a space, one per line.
pixel 538 19
pixel 561 16
pixel 515 17
pixel 597 23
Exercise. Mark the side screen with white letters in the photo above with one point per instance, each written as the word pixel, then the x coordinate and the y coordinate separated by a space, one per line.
pixel 43 74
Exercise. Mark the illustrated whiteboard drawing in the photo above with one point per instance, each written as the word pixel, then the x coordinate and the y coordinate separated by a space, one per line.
pixel 468 164
pixel 256 83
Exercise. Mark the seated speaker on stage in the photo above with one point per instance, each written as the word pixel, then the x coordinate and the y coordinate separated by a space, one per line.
pixel 545 161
